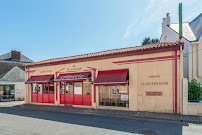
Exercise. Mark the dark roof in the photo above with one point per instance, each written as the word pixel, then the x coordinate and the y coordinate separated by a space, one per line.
pixel 196 26
pixel 15 74
pixel 7 57
pixel 6 66
pixel 108 52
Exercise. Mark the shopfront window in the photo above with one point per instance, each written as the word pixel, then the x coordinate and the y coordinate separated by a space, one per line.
pixel 51 88
pixel 45 88
pixel 78 88
pixel 7 92
pixel 114 96
pixel 87 87
pixel 34 88
pixel 62 88
pixel 39 90
pixel 69 88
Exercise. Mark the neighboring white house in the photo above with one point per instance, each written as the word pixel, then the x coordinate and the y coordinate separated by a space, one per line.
pixel 12 75
pixel 12 84
pixel 192 53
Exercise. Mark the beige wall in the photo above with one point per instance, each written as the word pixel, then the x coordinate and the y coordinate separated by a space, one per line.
pixel 195 61
pixel 139 74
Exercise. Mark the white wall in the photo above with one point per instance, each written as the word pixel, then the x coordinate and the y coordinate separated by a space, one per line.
pixel 195 60
pixel 19 89
pixel 169 35
pixel 200 58
pixel 190 108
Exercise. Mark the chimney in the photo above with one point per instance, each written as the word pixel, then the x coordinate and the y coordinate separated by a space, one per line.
pixel 166 20
pixel 165 24
pixel 15 55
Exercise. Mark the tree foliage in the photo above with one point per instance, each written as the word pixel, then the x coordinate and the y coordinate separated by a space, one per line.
pixel 194 91
pixel 147 40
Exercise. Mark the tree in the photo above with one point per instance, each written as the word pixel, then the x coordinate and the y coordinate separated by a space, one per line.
pixel 147 40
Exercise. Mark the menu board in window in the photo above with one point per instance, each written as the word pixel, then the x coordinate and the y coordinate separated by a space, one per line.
pixel 78 88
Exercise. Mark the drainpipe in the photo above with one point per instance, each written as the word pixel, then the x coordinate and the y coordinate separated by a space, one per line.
pixel 181 78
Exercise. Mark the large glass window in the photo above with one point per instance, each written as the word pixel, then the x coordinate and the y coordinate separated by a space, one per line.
pixel 62 88
pixel 69 88
pixel 114 96
pixel 78 88
pixel 1 92
pixel 45 88
pixel 7 92
pixel 39 90
pixel 34 88
pixel 87 87
pixel 51 88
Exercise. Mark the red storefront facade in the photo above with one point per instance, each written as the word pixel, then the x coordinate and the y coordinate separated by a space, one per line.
pixel 72 88
pixel 123 79
pixel 42 88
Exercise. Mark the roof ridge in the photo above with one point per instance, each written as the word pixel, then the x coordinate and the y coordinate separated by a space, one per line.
pixel 4 54
pixel 7 57
pixel 178 22
pixel 196 18
pixel 106 52
pixel 99 52
pixel 26 57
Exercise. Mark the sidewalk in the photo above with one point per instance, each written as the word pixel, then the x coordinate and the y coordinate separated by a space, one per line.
pixel 11 103
pixel 146 115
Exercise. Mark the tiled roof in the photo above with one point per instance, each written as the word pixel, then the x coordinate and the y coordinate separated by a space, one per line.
pixel 16 74
pixel 108 52
pixel 186 30
pixel 5 66
pixel 196 26
pixel 191 31
pixel 7 57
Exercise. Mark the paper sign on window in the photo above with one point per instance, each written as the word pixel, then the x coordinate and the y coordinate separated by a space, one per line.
pixel 122 89
pixel 124 97
pixel 78 90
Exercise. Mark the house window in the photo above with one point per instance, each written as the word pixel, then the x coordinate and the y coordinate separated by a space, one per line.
pixel 69 88
pixel 45 88
pixel 78 88
pixel 34 88
pixel 87 87
pixel 39 90
pixel 51 88
pixel 114 96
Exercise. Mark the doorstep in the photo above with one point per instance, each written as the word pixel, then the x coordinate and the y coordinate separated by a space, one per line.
pixel 125 113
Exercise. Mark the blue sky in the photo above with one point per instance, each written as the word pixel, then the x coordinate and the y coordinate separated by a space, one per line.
pixel 45 29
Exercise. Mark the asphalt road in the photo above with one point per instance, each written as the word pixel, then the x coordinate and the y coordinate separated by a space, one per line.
pixel 19 121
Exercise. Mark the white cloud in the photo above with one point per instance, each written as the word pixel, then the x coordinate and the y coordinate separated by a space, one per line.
pixel 127 32
pixel 154 12
pixel 192 16
pixel 150 5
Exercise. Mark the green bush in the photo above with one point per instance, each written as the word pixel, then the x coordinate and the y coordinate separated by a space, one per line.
pixel 194 91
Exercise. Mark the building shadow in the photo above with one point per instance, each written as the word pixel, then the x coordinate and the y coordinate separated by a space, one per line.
pixel 124 124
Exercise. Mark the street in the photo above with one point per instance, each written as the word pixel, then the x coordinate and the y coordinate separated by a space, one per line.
pixel 20 121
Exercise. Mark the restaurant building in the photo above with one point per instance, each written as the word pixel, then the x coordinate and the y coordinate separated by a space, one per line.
pixel 142 78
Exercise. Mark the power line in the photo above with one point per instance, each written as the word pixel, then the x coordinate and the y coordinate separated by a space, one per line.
pixel 193 52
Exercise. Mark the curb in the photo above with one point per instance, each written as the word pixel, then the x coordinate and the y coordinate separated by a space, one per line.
pixel 181 119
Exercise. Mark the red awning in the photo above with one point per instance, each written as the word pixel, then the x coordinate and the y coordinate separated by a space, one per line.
pixel 73 77
pixel 39 79
pixel 112 77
